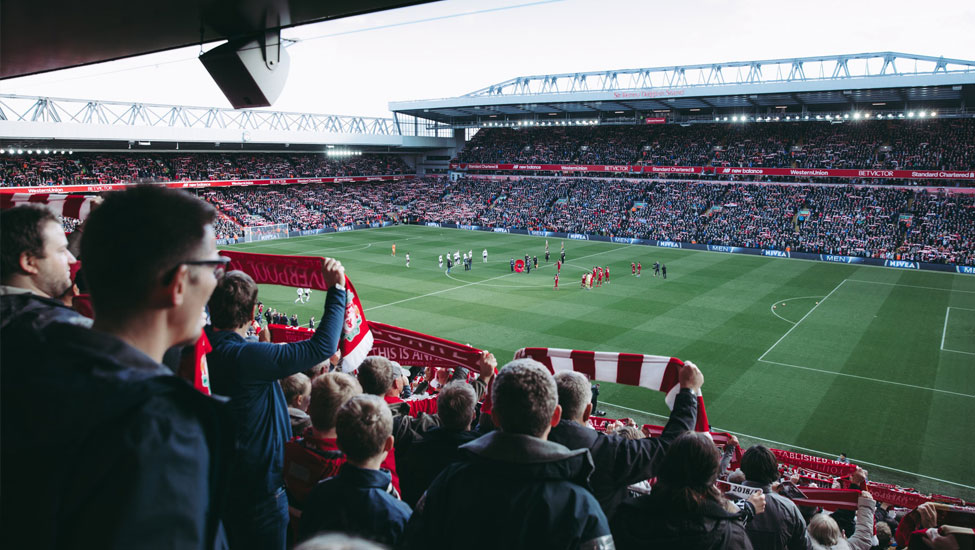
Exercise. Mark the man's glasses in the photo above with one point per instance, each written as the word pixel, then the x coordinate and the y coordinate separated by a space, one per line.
pixel 219 267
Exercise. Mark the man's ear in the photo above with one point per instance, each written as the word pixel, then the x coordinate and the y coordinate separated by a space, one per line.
pixel 388 445
pixel 556 416
pixel 175 290
pixel 28 263
pixel 587 412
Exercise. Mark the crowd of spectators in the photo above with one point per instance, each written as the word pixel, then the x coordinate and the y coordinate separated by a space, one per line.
pixel 102 168
pixel 144 456
pixel 947 144
pixel 874 222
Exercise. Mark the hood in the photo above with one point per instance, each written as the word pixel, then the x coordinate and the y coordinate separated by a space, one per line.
pixel 532 457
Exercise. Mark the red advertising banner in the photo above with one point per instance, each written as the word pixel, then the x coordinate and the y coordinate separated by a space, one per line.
pixel 727 170
pixel 98 188
pixel 814 463
pixel 655 120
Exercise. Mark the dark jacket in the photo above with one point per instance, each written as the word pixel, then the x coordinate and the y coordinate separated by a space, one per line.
pixel 780 527
pixel 357 502
pixel 536 491
pixel 646 522
pixel 248 373
pixel 104 448
pixel 621 462
pixel 28 312
pixel 427 458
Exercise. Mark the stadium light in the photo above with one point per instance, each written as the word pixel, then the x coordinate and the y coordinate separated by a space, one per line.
pixel 866 115
pixel 846 116
pixel 910 114
pixel 807 117
pixel 734 118
pixel 934 113
pixel 30 151
pixel 900 115
pixel 48 151
pixel 20 151
pixel 922 114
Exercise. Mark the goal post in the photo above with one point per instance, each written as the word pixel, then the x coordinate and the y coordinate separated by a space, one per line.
pixel 254 233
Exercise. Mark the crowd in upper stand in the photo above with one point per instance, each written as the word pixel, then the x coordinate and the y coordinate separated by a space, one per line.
pixel 940 144
pixel 878 222
pixel 102 168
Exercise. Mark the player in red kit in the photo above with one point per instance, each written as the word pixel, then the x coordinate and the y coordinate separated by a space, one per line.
pixel 556 281
pixel 607 274
pixel 599 276
pixel 639 268
pixel 632 268
pixel 558 266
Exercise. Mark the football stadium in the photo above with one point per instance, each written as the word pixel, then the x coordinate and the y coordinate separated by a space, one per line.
pixel 727 304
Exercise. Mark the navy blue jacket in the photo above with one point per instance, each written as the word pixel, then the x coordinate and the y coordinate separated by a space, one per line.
pixel 621 462
pixel 357 502
pixel 248 373
pixel 426 458
pixel 537 492
pixel 105 448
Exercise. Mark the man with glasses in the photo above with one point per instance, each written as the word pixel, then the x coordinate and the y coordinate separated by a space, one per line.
pixel 122 453
pixel 248 373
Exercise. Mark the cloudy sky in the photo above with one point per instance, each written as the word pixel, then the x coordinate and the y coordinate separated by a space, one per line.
pixel 357 65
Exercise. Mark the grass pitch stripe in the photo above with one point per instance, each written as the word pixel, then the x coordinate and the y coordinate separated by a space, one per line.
pixel 802 319
pixel 868 378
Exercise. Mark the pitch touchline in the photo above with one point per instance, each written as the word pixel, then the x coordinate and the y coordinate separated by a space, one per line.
pixel 484 281
pixel 802 319
pixel 803 448
pixel 867 378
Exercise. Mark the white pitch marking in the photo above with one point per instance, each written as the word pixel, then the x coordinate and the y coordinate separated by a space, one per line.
pixel 802 319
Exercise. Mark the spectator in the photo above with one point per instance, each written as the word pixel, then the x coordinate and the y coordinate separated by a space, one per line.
pixel 685 509
pixel 248 372
pixel 316 455
pixel 34 272
pixel 620 462
pixel 439 446
pixel 360 500
pixel 297 394
pixel 826 534
pixel 338 541
pixel 380 377
pixel 536 489
pixel 781 526
pixel 131 456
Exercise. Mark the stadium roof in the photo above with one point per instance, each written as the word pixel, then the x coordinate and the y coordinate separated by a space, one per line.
pixel 882 82
pixel 36 37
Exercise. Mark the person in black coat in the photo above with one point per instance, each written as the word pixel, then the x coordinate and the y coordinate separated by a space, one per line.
pixel 620 462
pixel 685 509
pixel 439 446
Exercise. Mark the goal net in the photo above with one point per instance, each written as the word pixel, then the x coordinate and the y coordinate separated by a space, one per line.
pixel 265 232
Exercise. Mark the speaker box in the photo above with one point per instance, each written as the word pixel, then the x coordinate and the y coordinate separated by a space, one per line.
pixel 242 74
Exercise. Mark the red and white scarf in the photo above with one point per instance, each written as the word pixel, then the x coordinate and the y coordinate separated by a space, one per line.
pixel 656 372
pixel 66 206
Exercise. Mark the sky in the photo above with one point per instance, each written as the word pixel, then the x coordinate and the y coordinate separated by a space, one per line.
pixel 356 66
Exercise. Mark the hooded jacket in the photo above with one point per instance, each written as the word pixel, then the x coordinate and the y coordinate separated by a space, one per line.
pixel 536 493
pixel 648 522
pixel 121 454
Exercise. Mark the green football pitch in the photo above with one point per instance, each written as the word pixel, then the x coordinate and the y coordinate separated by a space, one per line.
pixel 816 357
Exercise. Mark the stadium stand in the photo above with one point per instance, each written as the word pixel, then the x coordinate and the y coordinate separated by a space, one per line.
pixel 102 168
pixel 932 144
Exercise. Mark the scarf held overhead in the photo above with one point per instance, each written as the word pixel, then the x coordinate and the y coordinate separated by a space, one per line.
pixel 306 272
pixel 656 372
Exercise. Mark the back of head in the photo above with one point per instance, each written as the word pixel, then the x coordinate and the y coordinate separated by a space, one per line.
pixel 294 386
pixel 687 474
pixel 524 397
pixel 575 392
pixel 21 230
pixel 338 541
pixel 136 239
pixel 362 426
pixel 760 465
pixel 328 393
pixel 455 405
pixel 824 530
pixel 376 375
pixel 232 302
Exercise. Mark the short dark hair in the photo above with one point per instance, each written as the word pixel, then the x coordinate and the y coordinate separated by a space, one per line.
pixel 362 426
pixel 455 405
pixel 759 465
pixel 233 299
pixel 376 375
pixel 328 393
pixel 524 397
pixel 295 385
pixel 133 240
pixel 685 479
pixel 21 231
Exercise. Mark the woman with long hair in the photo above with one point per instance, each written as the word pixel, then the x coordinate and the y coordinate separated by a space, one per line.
pixel 685 509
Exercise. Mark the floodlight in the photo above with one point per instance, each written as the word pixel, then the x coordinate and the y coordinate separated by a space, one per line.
pixel 47 151
pixel 20 151
pixel 866 115
pixel 910 114
pixel 734 118
pixel 922 114
pixel 934 113
pixel 807 117
pixel 847 115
